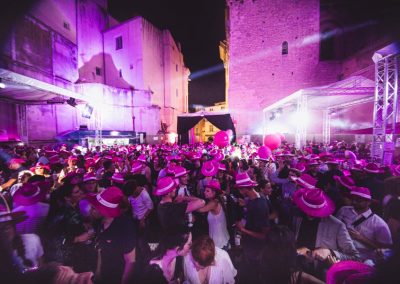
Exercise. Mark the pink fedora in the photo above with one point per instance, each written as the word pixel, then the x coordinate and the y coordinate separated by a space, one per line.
pixel 243 180
pixel 118 178
pixel 89 177
pixel 222 167
pixel 300 168
pixel 372 168
pixel 136 167
pixel 342 271
pixel 350 155
pixel 108 201
pixel 346 181
pixel 209 169
pixel 214 184
pixel 313 202
pixel 180 171
pixel 361 192
pixel 305 181
pixel 31 193
pixel 39 166
pixel 142 158
pixel 164 186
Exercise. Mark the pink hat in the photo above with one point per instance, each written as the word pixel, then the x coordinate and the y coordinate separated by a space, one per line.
pixel 213 152
pixel 313 162
pixel 180 171
pixel 209 169
pixel 195 156
pixel 39 166
pixel 342 271
pixel 361 192
pixel 305 181
pixel 55 159
pixel 16 161
pixel 118 177
pixel 346 181
pixel 396 170
pixel 108 201
pixel 164 186
pixel 136 167
pixel 298 168
pixel 372 168
pixel 218 157
pixel 221 167
pixel 214 184
pixel 313 202
pixel 142 158
pixel 243 180
pixel 31 193
pixel 89 177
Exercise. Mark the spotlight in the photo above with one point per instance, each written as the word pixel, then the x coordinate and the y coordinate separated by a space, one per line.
pixel 272 116
pixel 71 102
pixel 2 85
pixel 87 111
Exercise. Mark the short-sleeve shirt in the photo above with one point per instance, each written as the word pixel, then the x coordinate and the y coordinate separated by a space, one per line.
pixel 118 239
pixel 141 204
pixel 172 216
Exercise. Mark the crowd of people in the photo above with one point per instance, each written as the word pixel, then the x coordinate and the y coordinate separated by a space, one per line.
pixel 198 214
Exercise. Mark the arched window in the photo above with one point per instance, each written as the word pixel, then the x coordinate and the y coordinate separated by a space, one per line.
pixel 285 48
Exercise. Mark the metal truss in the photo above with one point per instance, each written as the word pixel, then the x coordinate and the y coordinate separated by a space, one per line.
pixel 326 127
pixel 385 108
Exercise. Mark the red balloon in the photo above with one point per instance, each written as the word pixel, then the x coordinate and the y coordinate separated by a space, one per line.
pixel 272 141
pixel 264 152
pixel 221 139
pixel 281 136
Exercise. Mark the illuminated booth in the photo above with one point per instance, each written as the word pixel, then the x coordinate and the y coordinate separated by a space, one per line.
pixel 187 121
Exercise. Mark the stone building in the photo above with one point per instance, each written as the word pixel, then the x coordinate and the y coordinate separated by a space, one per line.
pixel 131 73
pixel 275 48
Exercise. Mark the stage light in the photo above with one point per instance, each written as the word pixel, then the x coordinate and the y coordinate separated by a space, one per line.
pixel 2 85
pixel 272 116
pixel 71 102
pixel 87 111
pixel 114 133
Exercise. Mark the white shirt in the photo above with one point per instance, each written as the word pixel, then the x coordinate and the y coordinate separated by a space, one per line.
pixel 222 271
pixel 141 204
pixel 374 228
pixel 33 250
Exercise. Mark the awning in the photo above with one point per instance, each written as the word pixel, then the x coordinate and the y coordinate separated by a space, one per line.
pixel 22 89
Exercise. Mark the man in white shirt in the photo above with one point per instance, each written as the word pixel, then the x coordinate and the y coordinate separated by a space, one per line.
pixel 368 231
pixel 141 203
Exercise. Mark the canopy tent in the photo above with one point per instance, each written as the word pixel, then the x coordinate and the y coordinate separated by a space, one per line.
pixel 349 92
pixel 222 120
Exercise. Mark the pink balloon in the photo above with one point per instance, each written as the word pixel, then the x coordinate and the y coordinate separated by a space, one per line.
pixel 229 132
pixel 272 141
pixel 264 152
pixel 221 139
pixel 281 136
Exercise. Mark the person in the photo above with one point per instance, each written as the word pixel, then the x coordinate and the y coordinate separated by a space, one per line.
pixel 209 169
pixel 216 215
pixel 24 250
pixel 140 202
pixel 167 265
pixel 279 259
pixel 320 236
pixel 368 231
pixel 208 264
pixel 171 211
pixel 71 167
pixel 256 225
pixel 349 271
pixel 115 238
pixel 16 167
pixel 29 198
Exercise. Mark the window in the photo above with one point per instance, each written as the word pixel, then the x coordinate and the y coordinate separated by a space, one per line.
pixel 118 43
pixel 66 26
pixel 211 128
pixel 285 48
pixel 98 71
pixel 120 73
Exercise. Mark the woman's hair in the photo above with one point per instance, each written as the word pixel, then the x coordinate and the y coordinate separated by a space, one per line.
pixel 279 255
pixel 129 187
pixel 169 241
pixel 245 164
pixel 203 250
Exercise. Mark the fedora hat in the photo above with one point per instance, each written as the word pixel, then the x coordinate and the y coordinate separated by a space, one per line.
pixel 89 177
pixel 243 180
pixel 313 202
pixel 136 167
pixel 222 167
pixel 180 171
pixel 164 186
pixel 39 166
pixel 31 193
pixel 372 168
pixel 343 271
pixel 142 158
pixel 108 201
pixel 361 192
pixel 209 169
pixel 118 177
pixel 305 181
pixel 346 181
pixel 214 184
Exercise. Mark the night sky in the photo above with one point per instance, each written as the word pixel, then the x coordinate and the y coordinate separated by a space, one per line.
pixel 199 26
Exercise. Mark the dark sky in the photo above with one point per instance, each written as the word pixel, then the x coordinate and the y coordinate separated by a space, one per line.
pixel 199 25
